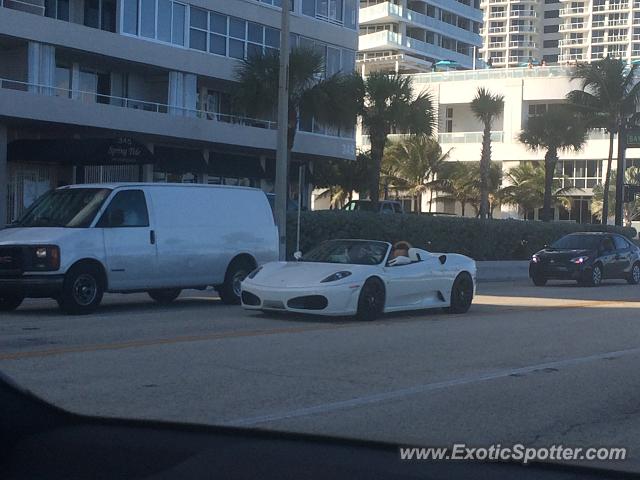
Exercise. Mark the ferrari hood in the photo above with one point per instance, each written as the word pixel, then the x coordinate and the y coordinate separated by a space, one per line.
pixel 300 274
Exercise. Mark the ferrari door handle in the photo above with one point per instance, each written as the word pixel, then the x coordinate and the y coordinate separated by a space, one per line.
pixel 152 237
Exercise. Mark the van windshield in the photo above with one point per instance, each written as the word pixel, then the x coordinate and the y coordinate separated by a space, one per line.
pixel 73 208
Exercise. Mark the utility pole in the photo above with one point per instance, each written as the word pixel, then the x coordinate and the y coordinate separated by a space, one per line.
pixel 282 160
pixel 620 170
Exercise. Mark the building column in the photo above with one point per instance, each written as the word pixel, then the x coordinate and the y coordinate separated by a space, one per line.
pixel 41 68
pixel 4 176
pixel 182 94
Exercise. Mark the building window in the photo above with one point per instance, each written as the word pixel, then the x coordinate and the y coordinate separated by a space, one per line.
pixel 550 44
pixel 537 109
pixel 63 81
pixel 551 28
pixel 57 9
pixel 449 120
pixel 341 12
pixel 162 20
pixel 552 14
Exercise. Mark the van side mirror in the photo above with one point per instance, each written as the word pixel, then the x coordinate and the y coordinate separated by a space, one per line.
pixel 443 259
pixel 297 255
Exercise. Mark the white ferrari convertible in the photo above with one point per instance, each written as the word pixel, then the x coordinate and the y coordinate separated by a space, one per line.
pixel 359 277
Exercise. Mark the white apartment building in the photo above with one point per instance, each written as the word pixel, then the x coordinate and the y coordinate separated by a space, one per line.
pixel 595 28
pixel 411 35
pixel 130 90
pixel 527 92
pixel 518 32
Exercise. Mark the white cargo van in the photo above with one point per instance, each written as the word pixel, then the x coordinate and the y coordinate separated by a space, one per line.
pixel 77 242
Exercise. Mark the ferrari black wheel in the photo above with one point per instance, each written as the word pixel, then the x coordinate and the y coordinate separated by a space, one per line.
pixel 371 300
pixel 461 294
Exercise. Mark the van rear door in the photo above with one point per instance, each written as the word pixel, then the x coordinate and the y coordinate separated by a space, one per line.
pixel 129 241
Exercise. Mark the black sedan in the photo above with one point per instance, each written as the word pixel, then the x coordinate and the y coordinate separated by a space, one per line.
pixel 589 258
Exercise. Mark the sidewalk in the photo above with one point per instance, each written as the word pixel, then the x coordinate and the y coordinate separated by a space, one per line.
pixel 502 271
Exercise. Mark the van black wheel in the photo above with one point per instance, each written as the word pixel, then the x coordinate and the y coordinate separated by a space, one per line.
pixel 82 290
pixel 237 271
pixel 634 275
pixel 371 300
pixel 461 294
pixel 165 296
pixel 10 301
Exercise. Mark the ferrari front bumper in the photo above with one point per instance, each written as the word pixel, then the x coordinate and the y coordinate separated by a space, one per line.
pixel 334 300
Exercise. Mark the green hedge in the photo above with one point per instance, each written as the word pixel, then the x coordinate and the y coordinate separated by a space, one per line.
pixel 479 239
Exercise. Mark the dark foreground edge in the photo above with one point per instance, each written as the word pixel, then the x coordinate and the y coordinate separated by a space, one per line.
pixel 39 440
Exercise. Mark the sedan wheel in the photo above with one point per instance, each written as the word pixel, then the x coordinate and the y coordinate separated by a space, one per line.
pixel 595 278
pixel 461 294
pixel 634 275
pixel 371 300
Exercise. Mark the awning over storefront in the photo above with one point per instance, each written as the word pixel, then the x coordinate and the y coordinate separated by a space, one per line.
pixel 178 160
pixel 80 152
pixel 230 165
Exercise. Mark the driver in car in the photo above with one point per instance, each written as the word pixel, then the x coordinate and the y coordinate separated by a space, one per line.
pixel 400 253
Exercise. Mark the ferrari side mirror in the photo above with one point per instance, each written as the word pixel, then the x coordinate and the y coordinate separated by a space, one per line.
pixel 443 259
pixel 297 255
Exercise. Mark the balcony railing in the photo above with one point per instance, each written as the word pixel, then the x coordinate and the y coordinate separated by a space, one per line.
pixel 567 42
pixel 572 57
pixel 522 44
pixel 572 26
pixel 616 39
pixel 568 11
pixel 497 14
pixel 493 73
pixel 123 102
pixel 523 13
pixel 497 45
pixel 522 29
pixel 469 137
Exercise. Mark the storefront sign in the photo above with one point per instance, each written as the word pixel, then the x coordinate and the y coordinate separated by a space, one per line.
pixel 633 138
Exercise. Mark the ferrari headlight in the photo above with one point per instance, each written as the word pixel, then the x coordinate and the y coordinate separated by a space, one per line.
pixel 336 276
pixel 535 259
pixel 579 260
pixel 254 272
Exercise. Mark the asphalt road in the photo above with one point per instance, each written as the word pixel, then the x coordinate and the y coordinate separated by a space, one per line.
pixel 538 366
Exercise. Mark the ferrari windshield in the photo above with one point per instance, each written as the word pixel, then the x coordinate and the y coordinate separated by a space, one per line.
pixel 577 242
pixel 355 252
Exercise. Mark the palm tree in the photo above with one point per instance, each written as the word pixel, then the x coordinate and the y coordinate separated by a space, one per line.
pixel 526 187
pixel 334 100
pixel 456 181
pixel 559 129
pixel 340 178
pixel 608 96
pixel 486 106
pixel 460 181
pixel 414 163
pixel 390 105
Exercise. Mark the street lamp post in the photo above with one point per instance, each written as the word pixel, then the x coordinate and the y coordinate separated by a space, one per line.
pixel 282 160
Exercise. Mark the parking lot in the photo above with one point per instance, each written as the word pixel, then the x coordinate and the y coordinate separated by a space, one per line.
pixel 540 366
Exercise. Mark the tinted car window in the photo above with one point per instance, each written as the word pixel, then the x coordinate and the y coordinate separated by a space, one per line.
pixel 620 243
pixel 127 209
pixel 607 245
pixel 577 242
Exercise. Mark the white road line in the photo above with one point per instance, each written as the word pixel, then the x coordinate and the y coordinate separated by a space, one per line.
pixel 423 388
